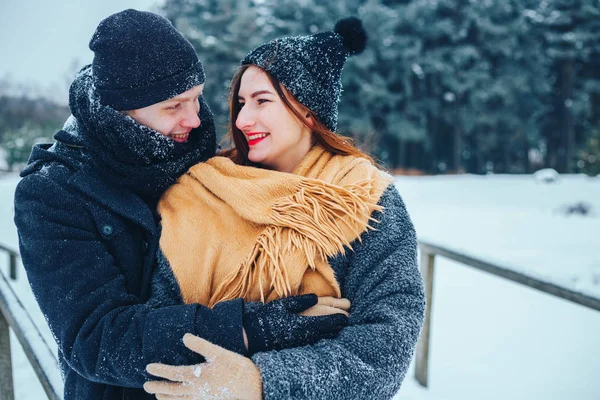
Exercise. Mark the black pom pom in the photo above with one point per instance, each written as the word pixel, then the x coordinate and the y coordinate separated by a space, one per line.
pixel 353 34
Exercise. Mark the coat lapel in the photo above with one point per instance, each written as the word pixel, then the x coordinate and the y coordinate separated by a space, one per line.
pixel 120 200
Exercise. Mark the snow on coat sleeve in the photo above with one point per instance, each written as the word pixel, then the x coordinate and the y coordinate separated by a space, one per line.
pixel 369 359
pixel 103 331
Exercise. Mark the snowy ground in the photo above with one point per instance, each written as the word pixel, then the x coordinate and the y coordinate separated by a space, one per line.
pixel 491 339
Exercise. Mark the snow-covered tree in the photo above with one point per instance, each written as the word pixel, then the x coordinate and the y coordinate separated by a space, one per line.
pixel 570 31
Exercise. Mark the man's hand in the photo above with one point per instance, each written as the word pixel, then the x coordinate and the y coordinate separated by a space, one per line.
pixel 293 321
pixel 225 375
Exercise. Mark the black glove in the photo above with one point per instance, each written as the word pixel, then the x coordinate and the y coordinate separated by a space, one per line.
pixel 277 325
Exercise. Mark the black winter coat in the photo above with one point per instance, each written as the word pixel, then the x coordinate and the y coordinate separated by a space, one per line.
pixel 88 249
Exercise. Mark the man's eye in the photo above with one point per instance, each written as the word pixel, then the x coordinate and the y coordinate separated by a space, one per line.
pixel 174 107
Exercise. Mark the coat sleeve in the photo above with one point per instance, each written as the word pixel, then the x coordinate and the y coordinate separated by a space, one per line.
pixel 104 332
pixel 369 358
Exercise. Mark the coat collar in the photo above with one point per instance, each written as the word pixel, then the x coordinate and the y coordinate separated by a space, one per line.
pixel 120 200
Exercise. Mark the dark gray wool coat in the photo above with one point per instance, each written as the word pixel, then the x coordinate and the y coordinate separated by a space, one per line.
pixel 88 247
pixel 369 358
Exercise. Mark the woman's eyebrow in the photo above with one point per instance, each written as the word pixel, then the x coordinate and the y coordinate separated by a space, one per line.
pixel 257 93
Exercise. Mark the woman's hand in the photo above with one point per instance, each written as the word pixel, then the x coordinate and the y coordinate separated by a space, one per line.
pixel 225 375
pixel 280 323
pixel 328 306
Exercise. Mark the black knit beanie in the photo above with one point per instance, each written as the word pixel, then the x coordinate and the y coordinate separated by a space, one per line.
pixel 310 67
pixel 141 59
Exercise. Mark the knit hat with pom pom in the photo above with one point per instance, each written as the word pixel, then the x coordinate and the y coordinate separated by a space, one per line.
pixel 310 67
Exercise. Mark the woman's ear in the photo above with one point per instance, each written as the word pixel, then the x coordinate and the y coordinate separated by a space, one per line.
pixel 310 121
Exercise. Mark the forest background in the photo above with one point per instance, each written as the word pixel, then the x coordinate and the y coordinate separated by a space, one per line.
pixel 444 86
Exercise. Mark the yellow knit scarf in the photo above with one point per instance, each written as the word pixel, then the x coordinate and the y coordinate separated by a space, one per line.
pixel 230 231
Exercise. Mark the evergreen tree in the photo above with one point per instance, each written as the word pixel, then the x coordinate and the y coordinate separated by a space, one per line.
pixel 449 67
pixel 569 30
pixel 506 108
pixel 588 157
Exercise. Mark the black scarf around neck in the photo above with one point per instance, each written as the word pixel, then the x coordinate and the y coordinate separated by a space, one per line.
pixel 133 155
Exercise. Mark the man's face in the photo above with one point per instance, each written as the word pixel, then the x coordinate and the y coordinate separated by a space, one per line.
pixel 175 117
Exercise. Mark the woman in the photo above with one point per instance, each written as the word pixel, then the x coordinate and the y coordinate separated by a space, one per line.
pixel 294 208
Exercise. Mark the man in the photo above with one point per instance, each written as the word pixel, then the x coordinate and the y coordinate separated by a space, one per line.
pixel 87 228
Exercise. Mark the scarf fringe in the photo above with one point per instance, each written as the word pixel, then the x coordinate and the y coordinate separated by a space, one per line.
pixel 316 218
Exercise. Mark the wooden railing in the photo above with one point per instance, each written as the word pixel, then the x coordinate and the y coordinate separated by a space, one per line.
pixel 428 253
pixel 12 261
pixel 39 354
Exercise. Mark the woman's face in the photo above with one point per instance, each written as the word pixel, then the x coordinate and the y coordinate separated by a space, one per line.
pixel 276 139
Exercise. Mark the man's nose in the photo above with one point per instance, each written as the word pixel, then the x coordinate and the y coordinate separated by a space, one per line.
pixel 191 118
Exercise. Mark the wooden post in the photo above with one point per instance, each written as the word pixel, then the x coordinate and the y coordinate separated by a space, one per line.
pixel 6 376
pixel 422 356
pixel 13 266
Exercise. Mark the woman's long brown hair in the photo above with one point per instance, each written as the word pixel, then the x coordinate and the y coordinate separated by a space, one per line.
pixel 331 141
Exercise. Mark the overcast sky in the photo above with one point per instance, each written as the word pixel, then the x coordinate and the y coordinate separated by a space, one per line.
pixel 43 41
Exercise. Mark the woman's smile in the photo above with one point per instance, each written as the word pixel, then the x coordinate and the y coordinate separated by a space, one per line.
pixel 255 137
